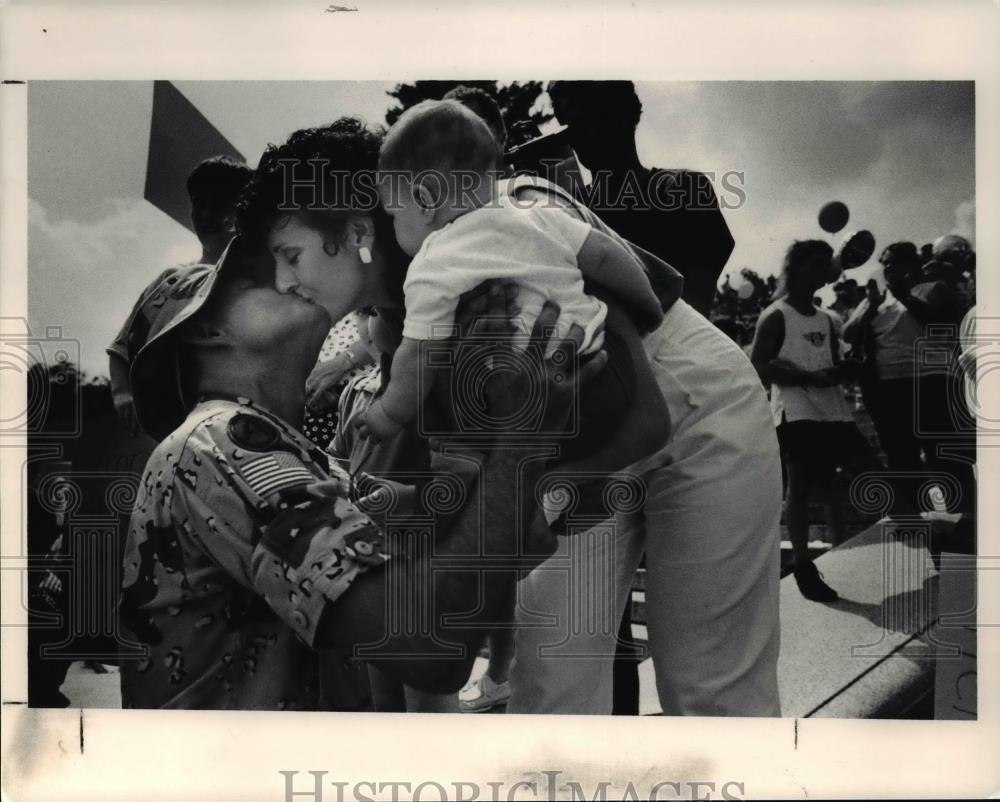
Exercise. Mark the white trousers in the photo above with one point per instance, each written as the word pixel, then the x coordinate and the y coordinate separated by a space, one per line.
pixel 709 527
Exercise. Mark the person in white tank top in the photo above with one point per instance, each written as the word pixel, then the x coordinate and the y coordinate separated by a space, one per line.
pixel 809 344
pixel 796 350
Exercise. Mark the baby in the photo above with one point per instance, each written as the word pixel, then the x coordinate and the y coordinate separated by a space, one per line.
pixel 462 227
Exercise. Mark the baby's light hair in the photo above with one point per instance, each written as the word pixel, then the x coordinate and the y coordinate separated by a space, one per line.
pixel 439 135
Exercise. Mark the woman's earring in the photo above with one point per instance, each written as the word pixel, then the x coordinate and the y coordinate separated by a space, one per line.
pixel 365 254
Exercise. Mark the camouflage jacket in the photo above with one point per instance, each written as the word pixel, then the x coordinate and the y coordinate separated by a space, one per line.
pixel 231 558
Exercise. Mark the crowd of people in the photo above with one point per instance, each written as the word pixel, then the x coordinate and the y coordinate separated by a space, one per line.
pixel 906 372
pixel 895 351
pixel 432 412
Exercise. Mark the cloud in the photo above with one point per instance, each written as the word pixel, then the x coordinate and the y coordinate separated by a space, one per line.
pixel 965 220
pixel 84 277
pixel 798 132
pixel 900 154
pixel 898 104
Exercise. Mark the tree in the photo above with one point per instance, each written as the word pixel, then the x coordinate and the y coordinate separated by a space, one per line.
pixel 58 393
pixel 515 99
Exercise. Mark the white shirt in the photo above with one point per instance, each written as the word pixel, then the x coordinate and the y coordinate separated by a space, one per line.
pixel 807 346
pixel 896 333
pixel 533 246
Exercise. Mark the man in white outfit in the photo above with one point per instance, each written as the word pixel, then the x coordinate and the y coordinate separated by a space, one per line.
pixel 709 527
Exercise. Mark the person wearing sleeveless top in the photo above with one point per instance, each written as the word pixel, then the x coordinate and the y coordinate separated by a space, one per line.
pixel 796 350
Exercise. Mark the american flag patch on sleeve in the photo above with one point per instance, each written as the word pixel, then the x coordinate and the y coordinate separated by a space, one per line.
pixel 275 472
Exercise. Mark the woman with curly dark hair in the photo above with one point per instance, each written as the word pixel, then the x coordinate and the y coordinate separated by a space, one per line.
pixel 314 203
pixel 347 149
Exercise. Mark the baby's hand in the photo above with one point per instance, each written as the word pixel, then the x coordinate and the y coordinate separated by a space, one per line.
pixel 376 425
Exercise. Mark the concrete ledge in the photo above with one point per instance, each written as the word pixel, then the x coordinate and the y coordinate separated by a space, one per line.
pixel 866 655
pixel 891 689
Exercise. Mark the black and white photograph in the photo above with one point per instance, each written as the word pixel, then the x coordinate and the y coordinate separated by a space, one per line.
pixel 258 475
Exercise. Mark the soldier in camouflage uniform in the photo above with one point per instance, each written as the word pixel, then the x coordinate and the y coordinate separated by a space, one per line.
pixel 245 553
pixel 227 496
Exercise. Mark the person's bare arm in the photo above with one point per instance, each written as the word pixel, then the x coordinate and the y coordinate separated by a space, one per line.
pixel 121 392
pixel 399 404
pixel 604 260
pixel 666 282
pixel 862 317
pixel 834 343
pixel 322 384
pixel 403 394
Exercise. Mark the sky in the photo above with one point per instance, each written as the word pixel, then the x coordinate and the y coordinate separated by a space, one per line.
pixel 899 154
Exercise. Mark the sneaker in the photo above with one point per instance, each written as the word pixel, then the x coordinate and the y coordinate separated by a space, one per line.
pixel 811 584
pixel 482 695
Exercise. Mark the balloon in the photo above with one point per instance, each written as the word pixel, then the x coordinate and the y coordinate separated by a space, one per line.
pixel 746 291
pixel 856 250
pixel 833 216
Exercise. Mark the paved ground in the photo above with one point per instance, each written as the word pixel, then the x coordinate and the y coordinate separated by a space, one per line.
pixel 879 579
pixel 89 690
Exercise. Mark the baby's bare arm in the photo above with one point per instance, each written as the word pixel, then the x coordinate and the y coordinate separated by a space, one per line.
pixel 604 260
pixel 405 390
